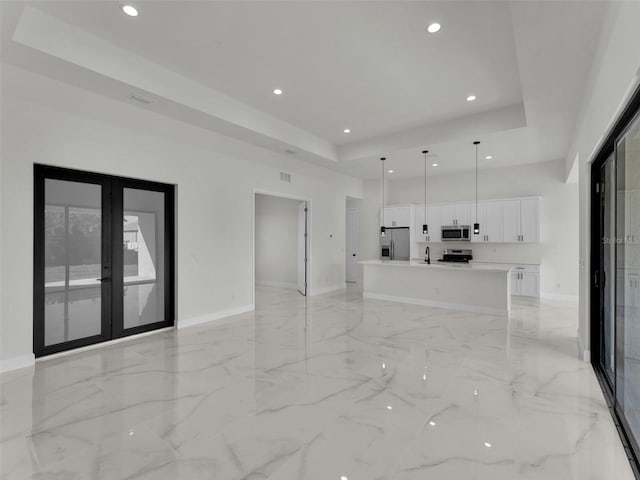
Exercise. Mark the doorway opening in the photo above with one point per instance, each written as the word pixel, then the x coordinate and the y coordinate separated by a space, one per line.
pixel 281 242
pixel 103 258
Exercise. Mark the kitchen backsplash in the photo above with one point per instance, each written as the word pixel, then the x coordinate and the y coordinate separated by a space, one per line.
pixel 487 252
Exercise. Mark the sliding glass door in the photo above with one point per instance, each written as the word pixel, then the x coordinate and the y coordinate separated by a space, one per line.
pixel 627 389
pixel 607 248
pixel 103 258
pixel 615 268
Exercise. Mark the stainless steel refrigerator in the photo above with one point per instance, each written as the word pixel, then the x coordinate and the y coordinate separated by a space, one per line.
pixel 394 245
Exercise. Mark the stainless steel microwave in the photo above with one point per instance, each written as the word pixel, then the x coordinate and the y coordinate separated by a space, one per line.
pixel 456 233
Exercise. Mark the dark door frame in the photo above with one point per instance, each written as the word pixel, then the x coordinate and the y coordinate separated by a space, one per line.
pixel 607 148
pixel 112 286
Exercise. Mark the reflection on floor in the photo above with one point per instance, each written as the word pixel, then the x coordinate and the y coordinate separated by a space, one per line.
pixel 339 387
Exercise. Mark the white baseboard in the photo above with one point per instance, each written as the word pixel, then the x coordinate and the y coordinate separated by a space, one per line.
pixel 330 288
pixel 583 353
pixel 190 322
pixel 22 361
pixel 559 296
pixel 269 283
pixel 436 304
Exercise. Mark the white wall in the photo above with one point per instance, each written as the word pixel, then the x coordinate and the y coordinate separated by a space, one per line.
pixel 558 247
pixel 613 77
pixel 276 244
pixel 45 121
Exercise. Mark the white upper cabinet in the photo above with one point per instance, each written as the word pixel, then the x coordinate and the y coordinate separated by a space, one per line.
pixel 417 224
pixel 463 214
pixel 511 221
pixel 490 220
pixel 397 216
pixel 529 221
pixel 456 214
pixel 520 220
pixel 501 221
pixel 434 217
pixel 434 223
pixel 448 215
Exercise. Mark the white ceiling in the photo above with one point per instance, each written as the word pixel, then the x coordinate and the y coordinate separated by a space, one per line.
pixel 368 66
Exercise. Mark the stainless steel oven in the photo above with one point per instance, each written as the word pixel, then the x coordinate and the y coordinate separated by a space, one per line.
pixel 456 233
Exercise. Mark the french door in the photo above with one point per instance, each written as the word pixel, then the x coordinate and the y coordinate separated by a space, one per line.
pixel 103 258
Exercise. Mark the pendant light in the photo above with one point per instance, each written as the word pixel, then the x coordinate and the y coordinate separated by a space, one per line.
pixel 425 227
pixel 476 226
pixel 382 228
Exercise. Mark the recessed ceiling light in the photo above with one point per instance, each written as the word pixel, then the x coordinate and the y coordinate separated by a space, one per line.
pixel 344 477
pixel 432 423
pixel 347 130
pixel 434 164
pixel 471 98
pixel 488 157
pixel 389 171
pixel 389 407
pixel 487 444
pixel 130 10
pixel 433 28
pixel 277 91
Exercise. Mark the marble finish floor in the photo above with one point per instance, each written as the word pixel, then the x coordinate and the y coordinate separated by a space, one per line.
pixel 335 388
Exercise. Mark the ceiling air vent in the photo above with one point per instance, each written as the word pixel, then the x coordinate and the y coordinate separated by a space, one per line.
pixel 285 177
pixel 140 99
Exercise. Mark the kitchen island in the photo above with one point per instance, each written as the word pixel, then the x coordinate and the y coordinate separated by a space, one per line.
pixel 478 288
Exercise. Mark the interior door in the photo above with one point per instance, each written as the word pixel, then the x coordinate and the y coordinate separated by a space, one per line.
pixel 303 246
pixel 352 245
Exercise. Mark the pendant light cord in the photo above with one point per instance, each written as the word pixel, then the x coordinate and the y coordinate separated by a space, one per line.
pixel 425 152
pixel 476 144
pixel 382 162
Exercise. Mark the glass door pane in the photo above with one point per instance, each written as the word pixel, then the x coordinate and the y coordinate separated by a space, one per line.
pixel 607 259
pixel 143 254
pixel 628 273
pixel 72 261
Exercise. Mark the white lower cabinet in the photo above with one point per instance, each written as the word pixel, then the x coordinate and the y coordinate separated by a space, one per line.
pixel 525 281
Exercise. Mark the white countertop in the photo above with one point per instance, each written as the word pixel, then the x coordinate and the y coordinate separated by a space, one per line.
pixel 484 267
pixel 495 262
